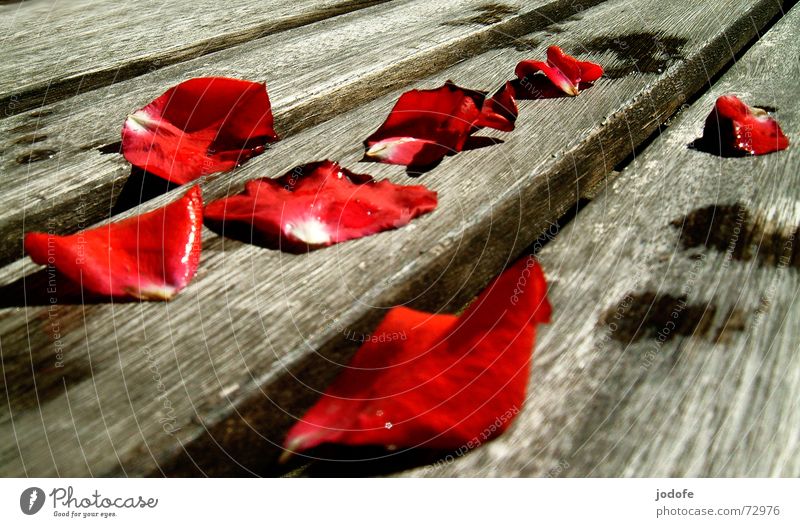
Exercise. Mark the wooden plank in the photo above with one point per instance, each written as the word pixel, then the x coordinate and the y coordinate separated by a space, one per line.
pixel 213 378
pixel 673 350
pixel 56 178
pixel 54 50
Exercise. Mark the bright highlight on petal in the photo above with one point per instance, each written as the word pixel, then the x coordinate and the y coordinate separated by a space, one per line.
pixel 199 127
pixel 317 205
pixel 426 125
pixel 148 257
pixel 733 128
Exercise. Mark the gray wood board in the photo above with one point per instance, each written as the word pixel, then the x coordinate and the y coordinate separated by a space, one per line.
pixel 674 349
pixel 214 378
pixel 54 49
pixel 55 176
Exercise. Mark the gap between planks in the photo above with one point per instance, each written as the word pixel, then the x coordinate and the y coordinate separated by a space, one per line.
pixel 67 59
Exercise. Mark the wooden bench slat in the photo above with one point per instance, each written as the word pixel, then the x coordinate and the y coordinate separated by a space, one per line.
pixel 617 391
pixel 53 50
pixel 223 355
pixel 312 74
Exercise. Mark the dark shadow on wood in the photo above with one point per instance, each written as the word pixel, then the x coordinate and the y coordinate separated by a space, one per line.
pixel 111 148
pixel 417 171
pixel 140 187
pixel 475 142
pixel 338 461
pixel 472 143
pixel 47 287
pixel 716 148
pixel 245 233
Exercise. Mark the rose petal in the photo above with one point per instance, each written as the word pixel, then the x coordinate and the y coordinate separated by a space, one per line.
pixel 733 127
pixel 149 257
pixel 426 125
pixel 500 111
pixel 435 381
pixel 198 127
pixel 566 72
pixel 317 205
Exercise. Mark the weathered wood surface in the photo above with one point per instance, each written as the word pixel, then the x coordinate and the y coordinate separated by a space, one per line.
pixel 674 346
pixel 54 49
pixel 55 176
pixel 212 379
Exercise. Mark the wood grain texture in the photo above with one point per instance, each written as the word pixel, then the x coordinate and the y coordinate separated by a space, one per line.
pixel 56 178
pixel 674 349
pixel 212 380
pixel 55 49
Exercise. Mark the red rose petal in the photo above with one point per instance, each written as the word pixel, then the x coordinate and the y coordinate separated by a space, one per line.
pixel 198 127
pixel 149 257
pixel 317 205
pixel 426 125
pixel 564 71
pixel 435 381
pixel 734 127
pixel 500 111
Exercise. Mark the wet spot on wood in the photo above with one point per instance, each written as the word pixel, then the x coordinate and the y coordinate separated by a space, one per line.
pixel 487 14
pixel 663 317
pixel 740 235
pixel 638 52
pixel 35 155
pixel 734 322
